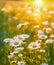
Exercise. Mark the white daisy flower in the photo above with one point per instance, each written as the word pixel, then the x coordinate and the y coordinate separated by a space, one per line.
pixel 19 48
pixel 20 55
pixel 29 12
pixel 19 26
pixel 25 35
pixel 42 50
pixel 43 37
pixel 11 55
pixel 52 36
pixel 37 26
pixel 40 32
pixel 7 40
pixel 15 43
pixel 26 23
pixel 52 24
pixel 19 37
pixel 45 22
pixel 34 45
pixel 44 64
pixel 49 41
pixel 47 30
pixel 51 12
pixel 21 63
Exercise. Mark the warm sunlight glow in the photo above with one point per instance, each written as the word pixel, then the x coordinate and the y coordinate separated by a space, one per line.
pixel 38 2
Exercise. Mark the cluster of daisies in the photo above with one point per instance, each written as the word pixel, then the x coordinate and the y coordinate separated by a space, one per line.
pixel 31 49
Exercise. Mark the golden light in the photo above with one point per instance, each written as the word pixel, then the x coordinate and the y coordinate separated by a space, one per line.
pixel 39 2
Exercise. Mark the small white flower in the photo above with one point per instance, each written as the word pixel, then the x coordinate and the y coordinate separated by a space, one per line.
pixel 26 23
pixel 52 24
pixel 34 45
pixel 42 50
pixel 47 30
pixel 7 40
pixel 19 26
pixel 44 64
pixel 15 43
pixel 19 48
pixel 21 63
pixel 16 51
pixel 40 32
pixel 20 55
pixel 52 36
pixel 37 26
pixel 43 37
pixel 51 12
pixel 11 55
pixel 29 12
pixel 45 22
pixel 49 41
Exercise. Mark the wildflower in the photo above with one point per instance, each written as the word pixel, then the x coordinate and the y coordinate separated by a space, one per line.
pixel 34 45
pixel 37 26
pixel 40 32
pixel 26 23
pixel 21 63
pixel 20 55
pixel 49 41
pixel 47 30
pixel 52 36
pixel 15 43
pixel 43 36
pixel 42 50
pixel 19 48
pixel 44 64
pixel 29 12
pixel 51 12
pixel 19 26
pixel 8 40
pixel 45 23
pixel 52 24
pixel 11 55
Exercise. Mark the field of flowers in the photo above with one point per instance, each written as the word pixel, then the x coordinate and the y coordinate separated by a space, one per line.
pixel 26 33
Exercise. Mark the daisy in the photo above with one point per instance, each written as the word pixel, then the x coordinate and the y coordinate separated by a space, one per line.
pixel 7 40
pixel 52 24
pixel 21 63
pixel 26 23
pixel 51 12
pixel 15 43
pixel 19 48
pixel 52 36
pixel 37 26
pixel 29 12
pixel 20 55
pixel 44 64
pixel 47 30
pixel 49 41
pixel 45 22
pixel 40 32
pixel 43 36
pixel 11 55
pixel 42 50
pixel 34 45
pixel 19 26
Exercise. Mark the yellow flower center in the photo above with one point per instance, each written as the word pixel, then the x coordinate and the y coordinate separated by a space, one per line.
pixel 16 43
